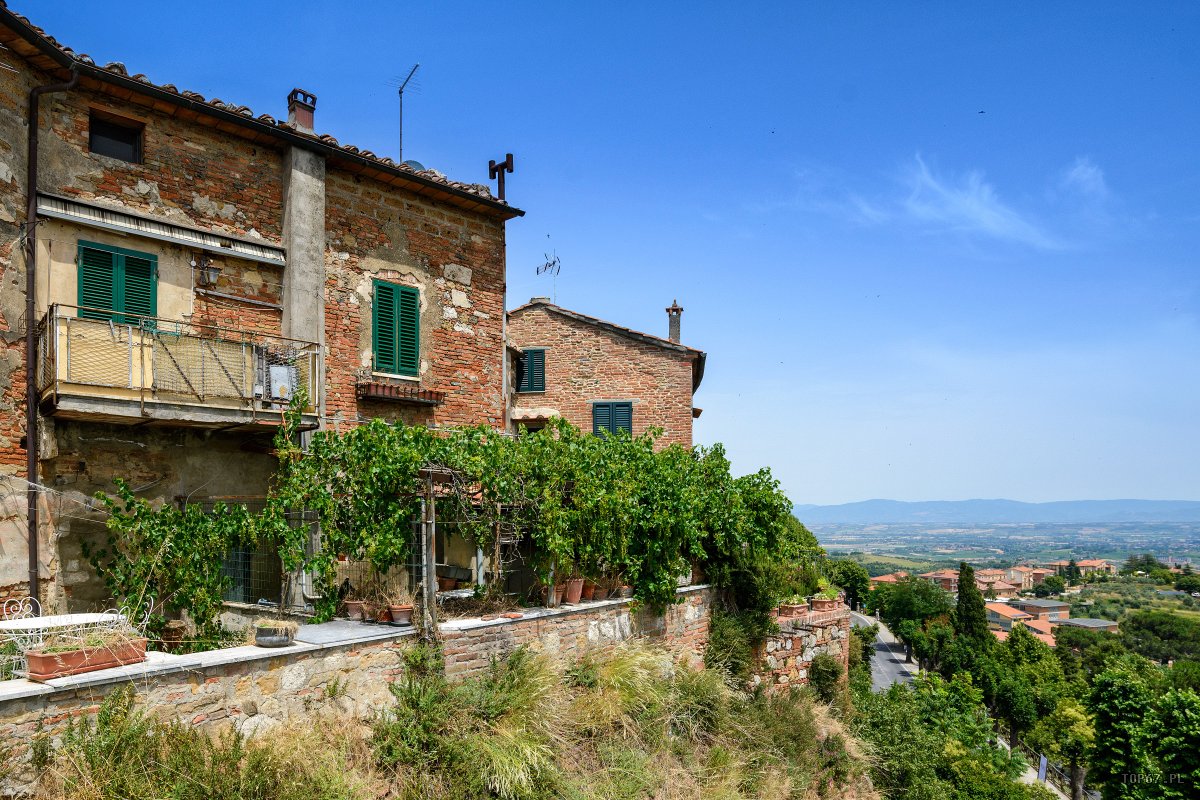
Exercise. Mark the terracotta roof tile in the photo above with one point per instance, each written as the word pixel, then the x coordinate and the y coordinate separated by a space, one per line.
pixel 1005 610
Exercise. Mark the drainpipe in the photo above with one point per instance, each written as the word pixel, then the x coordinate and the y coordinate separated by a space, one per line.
pixel 31 420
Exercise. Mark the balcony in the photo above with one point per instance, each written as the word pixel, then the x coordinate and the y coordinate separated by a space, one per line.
pixel 127 369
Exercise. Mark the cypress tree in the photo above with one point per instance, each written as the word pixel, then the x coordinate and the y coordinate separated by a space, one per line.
pixel 970 616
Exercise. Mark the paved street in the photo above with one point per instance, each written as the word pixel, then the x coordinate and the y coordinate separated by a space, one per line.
pixel 887 666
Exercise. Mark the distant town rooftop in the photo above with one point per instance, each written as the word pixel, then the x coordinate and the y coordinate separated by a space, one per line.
pixel 1088 622
pixel 1005 610
pixel 1043 603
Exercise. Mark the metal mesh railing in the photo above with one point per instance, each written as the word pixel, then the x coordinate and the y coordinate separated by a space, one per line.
pixel 159 360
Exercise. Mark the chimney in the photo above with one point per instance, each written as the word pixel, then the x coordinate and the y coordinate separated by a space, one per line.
pixel 301 106
pixel 539 300
pixel 673 315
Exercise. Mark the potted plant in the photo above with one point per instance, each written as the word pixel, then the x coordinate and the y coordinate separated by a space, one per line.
pixel 274 632
pixel 400 605
pixel 354 606
pixel 826 599
pixel 574 588
pixel 63 655
pixel 793 606
pixel 589 590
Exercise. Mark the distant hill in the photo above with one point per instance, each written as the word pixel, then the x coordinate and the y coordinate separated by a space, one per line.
pixel 991 512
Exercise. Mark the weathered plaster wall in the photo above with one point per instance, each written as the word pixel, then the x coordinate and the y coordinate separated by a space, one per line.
pixel 585 364
pixel 190 174
pixel 14 92
pixel 161 463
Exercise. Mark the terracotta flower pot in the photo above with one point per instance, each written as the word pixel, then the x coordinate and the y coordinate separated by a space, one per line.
pixel 574 590
pixel 622 592
pixel 559 590
pixel 354 609
pixel 402 614
pixel 792 609
pixel 589 590
pixel 47 666
pixel 446 584
pixel 822 604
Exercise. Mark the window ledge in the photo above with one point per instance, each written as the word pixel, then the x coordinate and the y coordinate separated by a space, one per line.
pixel 395 376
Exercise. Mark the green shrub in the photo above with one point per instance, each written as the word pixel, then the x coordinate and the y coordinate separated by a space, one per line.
pixel 729 649
pixel 824 675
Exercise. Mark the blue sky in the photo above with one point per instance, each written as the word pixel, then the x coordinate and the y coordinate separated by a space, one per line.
pixel 932 251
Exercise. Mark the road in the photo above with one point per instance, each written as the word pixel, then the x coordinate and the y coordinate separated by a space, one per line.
pixel 887 666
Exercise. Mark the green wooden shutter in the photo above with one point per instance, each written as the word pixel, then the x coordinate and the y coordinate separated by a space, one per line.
pixel 97 283
pixel 601 418
pixel 537 368
pixel 523 372
pixel 531 371
pixel 139 293
pixel 383 331
pixel 622 417
pixel 408 332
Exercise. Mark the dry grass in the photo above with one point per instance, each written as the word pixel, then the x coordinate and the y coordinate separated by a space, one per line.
pixel 630 725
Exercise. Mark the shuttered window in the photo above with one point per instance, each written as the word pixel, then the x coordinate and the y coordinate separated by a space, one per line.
pixel 117 284
pixel 396 321
pixel 531 374
pixel 612 417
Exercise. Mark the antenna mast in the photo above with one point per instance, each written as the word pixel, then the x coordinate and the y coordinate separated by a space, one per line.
pixel 411 72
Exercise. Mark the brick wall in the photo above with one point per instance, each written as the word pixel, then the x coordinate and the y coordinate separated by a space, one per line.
pixel 455 260
pixel 198 176
pixel 786 657
pixel 585 363
pixel 571 632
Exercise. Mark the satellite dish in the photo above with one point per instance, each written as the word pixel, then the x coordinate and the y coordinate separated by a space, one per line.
pixel 415 165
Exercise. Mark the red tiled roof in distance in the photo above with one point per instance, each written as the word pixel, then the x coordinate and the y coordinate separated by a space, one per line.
pixel 1006 611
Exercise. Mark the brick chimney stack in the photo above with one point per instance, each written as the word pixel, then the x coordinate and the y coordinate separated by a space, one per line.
pixel 301 105
pixel 673 315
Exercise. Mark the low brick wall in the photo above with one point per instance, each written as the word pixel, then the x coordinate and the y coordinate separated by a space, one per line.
pixel 786 657
pixel 570 632
pixel 253 689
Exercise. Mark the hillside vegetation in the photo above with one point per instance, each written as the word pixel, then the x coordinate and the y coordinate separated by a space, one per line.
pixel 632 725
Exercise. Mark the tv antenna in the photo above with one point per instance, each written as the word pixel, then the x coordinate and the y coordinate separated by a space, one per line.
pixel 552 266
pixel 411 72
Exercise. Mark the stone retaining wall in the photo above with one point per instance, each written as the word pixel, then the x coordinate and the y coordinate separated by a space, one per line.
pixel 786 657
pixel 346 669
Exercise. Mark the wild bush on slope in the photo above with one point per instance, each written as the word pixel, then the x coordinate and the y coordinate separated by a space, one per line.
pixel 632 724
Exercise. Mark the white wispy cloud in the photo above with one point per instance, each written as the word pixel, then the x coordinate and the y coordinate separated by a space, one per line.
pixel 967 204
pixel 1085 179
pixel 1076 204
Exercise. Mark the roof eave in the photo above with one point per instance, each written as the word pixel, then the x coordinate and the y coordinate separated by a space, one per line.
pixel 421 184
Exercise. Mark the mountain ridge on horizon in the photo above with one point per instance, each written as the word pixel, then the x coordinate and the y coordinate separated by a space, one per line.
pixel 996 511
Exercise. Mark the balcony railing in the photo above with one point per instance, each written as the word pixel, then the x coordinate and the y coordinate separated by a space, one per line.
pixel 98 361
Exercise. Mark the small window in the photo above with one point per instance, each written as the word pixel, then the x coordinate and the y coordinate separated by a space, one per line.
pixel 531 371
pixel 612 417
pixel 117 284
pixel 396 319
pixel 115 137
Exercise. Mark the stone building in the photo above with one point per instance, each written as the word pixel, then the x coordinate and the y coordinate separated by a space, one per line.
pixel 195 266
pixel 601 376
